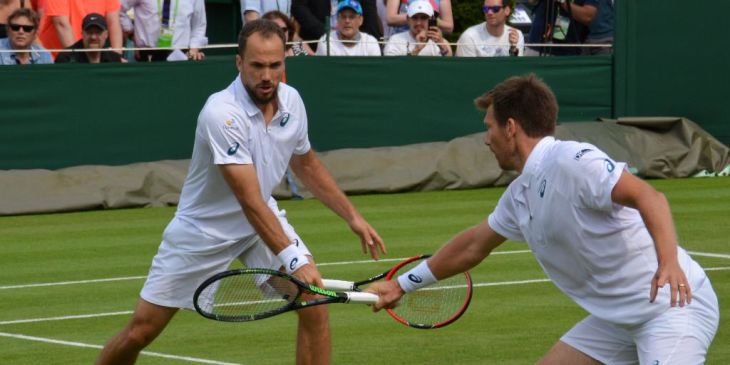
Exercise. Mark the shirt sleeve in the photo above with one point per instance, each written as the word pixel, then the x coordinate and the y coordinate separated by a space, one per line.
pixel 226 134
pixel 57 8
pixel 303 145
pixel 465 46
pixel 198 25
pixel 373 46
pixel 595 177
pixel 503 219
pixel 112 6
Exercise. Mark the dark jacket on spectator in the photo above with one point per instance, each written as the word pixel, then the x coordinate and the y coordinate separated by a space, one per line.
pixel 79 55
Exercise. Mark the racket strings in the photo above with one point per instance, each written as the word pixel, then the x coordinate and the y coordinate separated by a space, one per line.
pixel 246 295
pixel 435 304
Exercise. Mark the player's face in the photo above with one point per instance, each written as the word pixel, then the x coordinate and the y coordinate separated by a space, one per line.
pixel 262 67
pixel 498 140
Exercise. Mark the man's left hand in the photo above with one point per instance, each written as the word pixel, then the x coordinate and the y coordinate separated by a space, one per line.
pixel 369 238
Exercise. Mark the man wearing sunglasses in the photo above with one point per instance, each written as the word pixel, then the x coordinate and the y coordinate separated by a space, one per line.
pixel 22 29
pixel 493 37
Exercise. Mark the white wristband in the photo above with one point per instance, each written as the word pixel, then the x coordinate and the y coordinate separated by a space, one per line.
pixel 292 259
pixel 416 278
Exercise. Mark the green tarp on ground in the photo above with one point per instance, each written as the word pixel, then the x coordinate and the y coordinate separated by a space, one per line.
pixel 654 147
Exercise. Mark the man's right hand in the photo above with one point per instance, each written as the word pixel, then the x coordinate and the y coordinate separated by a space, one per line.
pixel 388 291
pixel 309 274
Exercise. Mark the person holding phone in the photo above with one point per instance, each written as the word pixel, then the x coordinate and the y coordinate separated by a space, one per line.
pixel 423 37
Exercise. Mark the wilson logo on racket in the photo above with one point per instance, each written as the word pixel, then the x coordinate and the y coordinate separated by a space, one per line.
pixel 415 278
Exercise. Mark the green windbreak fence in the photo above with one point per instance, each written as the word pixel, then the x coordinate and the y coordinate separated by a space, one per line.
pixel 55 116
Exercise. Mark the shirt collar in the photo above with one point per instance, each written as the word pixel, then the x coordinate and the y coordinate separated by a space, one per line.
pixel 535 157
pixel 247 103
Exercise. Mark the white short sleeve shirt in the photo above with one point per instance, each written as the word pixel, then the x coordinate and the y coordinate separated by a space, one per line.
pixel 231 130
pixel 366 46
pixel 403 43
pixel 597 252
pixel 477 42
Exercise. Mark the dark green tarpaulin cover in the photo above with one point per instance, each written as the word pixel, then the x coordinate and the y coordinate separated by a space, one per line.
pixel 655 147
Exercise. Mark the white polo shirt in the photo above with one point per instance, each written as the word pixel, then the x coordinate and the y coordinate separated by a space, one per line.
pixel 477 42
pixel 231 130
pixel 401 44
pixel 366 46
pixel 597 252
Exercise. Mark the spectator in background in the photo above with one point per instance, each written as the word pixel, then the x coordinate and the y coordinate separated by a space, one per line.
pixel 312 16
pixel 22 29
pixel 7 7
pixel 397 11
pixel 560 22
pixel 110 10
pixel 493 37
pixel 179 24
pixel 421 39
pixel 601 30
pixel 254 9
pixel 348 40
pixel 289 28
pixel 93 36
pixel 60 25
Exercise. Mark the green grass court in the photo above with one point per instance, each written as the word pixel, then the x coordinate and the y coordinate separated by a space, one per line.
pixel 69 282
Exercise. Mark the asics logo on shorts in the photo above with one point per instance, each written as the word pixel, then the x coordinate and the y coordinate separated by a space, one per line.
pixel 232 150
pixel 293 264
pixel 414 278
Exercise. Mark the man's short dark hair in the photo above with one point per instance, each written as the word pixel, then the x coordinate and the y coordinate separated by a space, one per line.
pixel 26 12
pixel 265 27
pixel 528 100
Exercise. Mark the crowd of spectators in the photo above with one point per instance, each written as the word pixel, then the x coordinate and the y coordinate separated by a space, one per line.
pixel 94 31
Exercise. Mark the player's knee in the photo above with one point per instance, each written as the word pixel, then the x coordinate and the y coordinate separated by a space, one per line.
pixel 139 335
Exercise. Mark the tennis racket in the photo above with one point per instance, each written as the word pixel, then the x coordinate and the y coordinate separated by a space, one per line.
pixel 434 306
pixel 251 294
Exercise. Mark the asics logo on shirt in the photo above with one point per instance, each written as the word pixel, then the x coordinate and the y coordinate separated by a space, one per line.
pixel 284 120
pixel 293 264
pixel 581 153
pixel 232 150
pixel 609 165
pixel 542 188
pixel 415 278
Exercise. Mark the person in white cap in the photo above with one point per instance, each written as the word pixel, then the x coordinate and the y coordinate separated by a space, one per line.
pixel 493 37
pixel 421 38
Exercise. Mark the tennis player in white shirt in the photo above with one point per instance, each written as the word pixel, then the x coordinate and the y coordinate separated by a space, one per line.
pixel 246 137
pixel 603 236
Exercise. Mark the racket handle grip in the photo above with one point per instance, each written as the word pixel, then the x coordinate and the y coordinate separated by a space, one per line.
pixel 338 285
pixel 362 298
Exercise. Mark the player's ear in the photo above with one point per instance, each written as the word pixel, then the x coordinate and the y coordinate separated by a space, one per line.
pixel 239 63
pixel 511 127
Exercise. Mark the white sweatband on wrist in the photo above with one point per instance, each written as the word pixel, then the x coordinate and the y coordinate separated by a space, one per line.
pixel 292 259
pixel 416 278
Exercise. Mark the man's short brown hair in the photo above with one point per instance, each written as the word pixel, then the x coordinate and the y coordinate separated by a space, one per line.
pixel 526 99
pixel 26 12
pixel 266 27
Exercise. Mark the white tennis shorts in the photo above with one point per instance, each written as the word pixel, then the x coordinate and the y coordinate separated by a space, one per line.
pixel 681 335
pixel 187 256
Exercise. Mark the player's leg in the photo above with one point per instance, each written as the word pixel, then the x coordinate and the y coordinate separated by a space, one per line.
pixel 314 344
pixel 146 324
pixel 563 354
pixel 591 342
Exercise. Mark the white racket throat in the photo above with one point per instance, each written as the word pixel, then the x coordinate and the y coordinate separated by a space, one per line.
pixel 338 285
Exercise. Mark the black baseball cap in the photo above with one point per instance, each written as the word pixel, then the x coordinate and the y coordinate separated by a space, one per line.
pixel 94 20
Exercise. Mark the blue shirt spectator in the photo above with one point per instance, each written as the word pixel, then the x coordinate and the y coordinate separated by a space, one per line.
pixel 22 30
pixel 601 29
